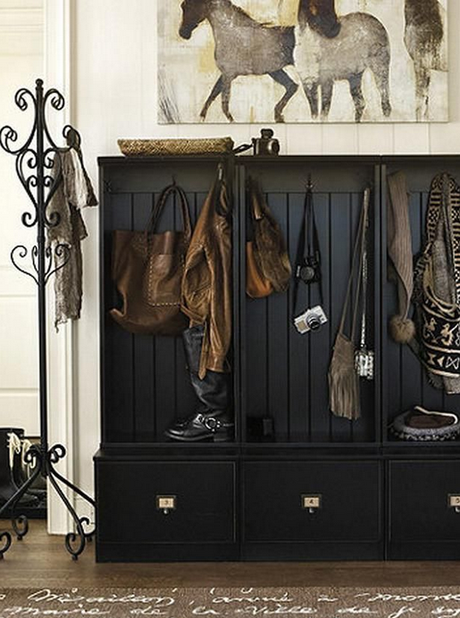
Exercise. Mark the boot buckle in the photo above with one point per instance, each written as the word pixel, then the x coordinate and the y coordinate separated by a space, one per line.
pixel 211 423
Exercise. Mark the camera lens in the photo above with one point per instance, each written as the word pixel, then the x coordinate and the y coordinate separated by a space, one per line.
pixel 313 323
pixel 273 147
pixel 307 273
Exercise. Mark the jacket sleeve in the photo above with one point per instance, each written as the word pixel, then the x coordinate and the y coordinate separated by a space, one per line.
pixel 196 284
pixel 220 320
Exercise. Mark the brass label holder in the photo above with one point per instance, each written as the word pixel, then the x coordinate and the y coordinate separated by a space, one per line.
pixel 311 502
pixel 166 503
pixel 453 502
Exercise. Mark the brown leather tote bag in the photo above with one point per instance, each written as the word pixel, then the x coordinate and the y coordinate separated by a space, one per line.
pixel 147 269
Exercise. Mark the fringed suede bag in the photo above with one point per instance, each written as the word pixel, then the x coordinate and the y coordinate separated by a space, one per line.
pixel 344 394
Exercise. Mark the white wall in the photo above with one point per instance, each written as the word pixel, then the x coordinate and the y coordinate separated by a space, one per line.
pixel 21 61
pixel 114 95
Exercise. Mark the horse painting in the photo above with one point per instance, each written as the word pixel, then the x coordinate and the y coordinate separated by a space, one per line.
pixel 243 46
pixel 302 61
pixel 361 43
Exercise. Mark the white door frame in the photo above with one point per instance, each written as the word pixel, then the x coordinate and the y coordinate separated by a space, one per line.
pixel 61 347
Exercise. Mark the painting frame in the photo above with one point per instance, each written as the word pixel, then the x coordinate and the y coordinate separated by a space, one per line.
pixel 302 61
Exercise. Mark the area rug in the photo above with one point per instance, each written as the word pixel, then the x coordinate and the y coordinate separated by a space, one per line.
pixel 231 602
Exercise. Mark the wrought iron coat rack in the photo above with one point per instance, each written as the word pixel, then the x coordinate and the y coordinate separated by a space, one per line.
pixel 39 169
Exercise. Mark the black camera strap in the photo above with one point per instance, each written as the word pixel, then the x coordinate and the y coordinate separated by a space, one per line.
pixel 307 247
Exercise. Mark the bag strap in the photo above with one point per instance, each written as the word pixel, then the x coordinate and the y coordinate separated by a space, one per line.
pixel 448 217
pixel 257 207
pixel 436 413
pixel 357 251
pixel 157 210
pixel 364 285
pixel 308 236
pixel 221 194
pixel 250 199
pixel 241 148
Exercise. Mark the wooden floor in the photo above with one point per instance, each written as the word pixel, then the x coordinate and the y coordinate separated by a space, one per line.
pixel 41 560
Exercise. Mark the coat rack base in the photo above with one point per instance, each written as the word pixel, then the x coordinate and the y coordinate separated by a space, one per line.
pixel 44 462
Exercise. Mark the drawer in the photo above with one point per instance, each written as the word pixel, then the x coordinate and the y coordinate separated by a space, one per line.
pixel 419 508
pixel 277 496
pixel 129 510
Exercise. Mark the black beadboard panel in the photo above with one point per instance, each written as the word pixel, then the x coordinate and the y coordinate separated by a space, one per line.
pixel 320 351
pixel 277 326
pixel 286 373
pixel 363 429
pixel 411 372
pixel 143 365
pixel 407 382
pixel 341 258
pixel 257 396
pixel 142 208
pixel 119 375
pixel 146 384
pixel 299 346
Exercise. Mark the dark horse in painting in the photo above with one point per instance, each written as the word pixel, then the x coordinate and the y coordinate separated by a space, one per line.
pixel 243 46
pixel 360 43
pixel 321 17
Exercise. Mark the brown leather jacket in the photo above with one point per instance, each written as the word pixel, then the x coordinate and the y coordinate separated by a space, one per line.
pixel 207 282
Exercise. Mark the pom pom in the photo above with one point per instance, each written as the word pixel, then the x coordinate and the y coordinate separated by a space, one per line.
pixel 402 330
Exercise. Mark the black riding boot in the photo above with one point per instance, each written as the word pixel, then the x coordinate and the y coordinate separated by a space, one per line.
pixel 213 419
pixel 8 486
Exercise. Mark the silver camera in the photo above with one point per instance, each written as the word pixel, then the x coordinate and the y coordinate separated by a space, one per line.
pixel 364 363
pixel 312 320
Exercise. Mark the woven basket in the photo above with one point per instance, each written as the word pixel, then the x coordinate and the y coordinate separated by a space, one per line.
pixel 151 147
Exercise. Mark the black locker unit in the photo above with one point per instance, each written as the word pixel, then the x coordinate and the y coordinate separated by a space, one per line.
pixel 321 488
pixel 421 477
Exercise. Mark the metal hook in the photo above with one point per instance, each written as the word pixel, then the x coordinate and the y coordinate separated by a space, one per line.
pixel 220 171
pixel 174 184
pixel 309 185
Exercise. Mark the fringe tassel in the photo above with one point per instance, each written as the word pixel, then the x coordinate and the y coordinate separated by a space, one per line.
pixel 343 380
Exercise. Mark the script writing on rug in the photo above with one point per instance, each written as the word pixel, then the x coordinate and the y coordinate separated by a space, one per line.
pixel 228 602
